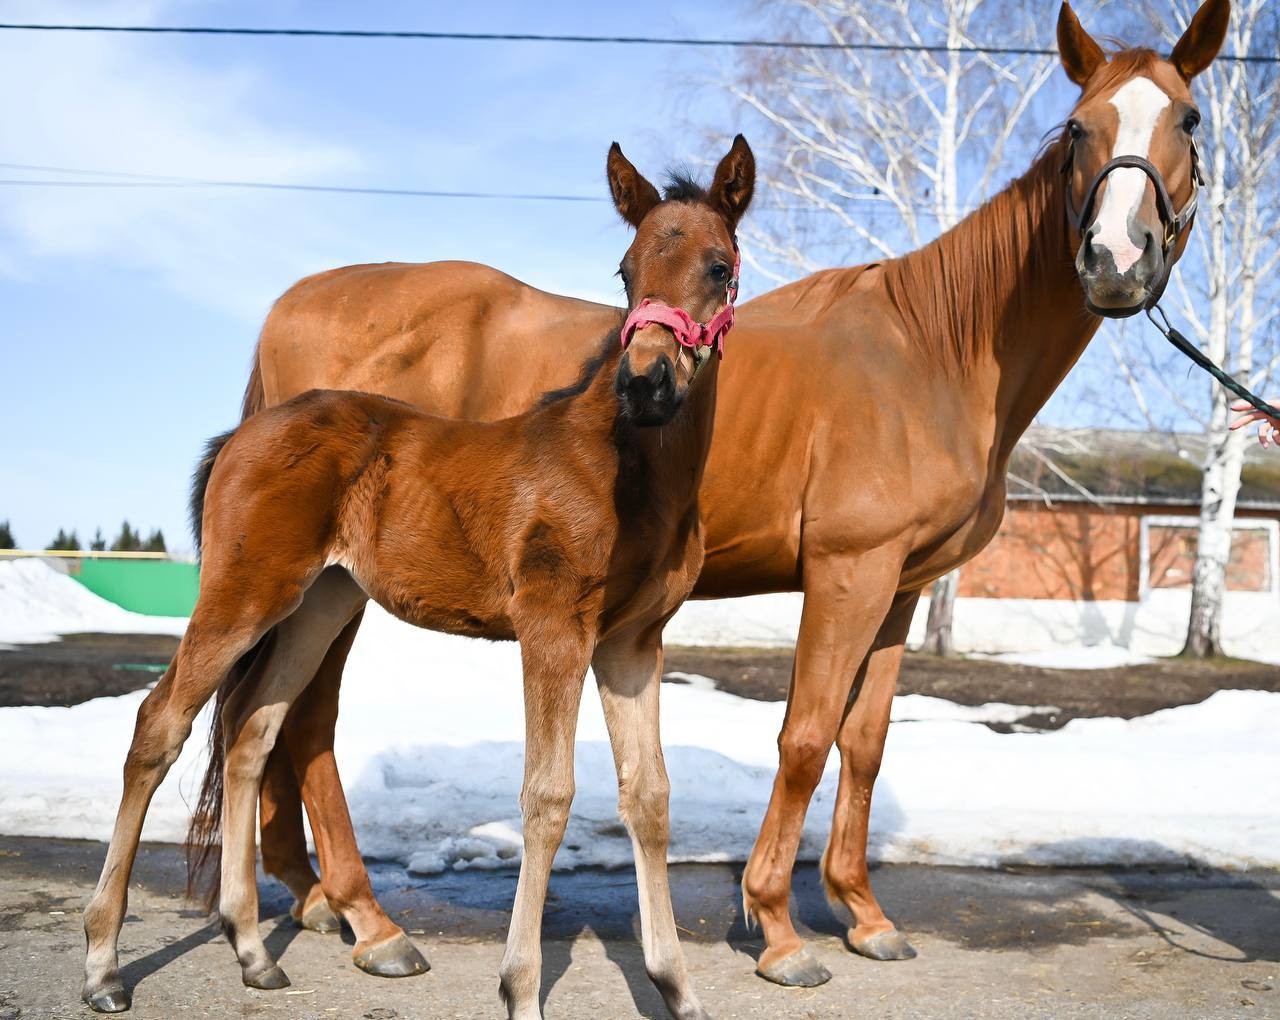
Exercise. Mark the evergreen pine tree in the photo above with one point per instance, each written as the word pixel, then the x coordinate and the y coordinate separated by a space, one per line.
pixel 99 543
pixel 127 541
pixel 64 542
pixel 155 542
pixel 7 541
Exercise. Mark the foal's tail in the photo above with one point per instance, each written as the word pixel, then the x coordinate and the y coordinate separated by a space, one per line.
pixel 204 835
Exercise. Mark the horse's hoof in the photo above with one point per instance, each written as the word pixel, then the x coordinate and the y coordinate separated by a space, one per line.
pixel 319 918
pixel 799 970
pixel 268 979
pixel 108 999
pixel 395 958
pixel 887 945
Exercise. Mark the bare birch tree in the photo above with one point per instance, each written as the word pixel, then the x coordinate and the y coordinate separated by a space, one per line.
pixel 879 152
pixel 1225 289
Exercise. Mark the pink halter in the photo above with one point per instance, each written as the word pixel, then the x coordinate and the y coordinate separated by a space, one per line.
pixel 688 333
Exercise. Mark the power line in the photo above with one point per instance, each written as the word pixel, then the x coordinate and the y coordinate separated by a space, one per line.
pixel 140 180
pixel 134 180
pixel 619 40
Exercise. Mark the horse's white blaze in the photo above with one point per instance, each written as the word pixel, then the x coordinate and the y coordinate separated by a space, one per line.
pixel 1138 104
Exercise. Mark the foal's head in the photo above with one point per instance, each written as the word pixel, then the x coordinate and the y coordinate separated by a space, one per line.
pixel 1133 217
pixel 684 256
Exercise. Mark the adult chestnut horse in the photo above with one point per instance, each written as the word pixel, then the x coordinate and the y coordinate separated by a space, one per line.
pixel 573 528
pixel 869 414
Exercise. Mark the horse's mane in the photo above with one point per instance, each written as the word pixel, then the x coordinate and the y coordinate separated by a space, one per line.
pixel 610 347
pixel 957 292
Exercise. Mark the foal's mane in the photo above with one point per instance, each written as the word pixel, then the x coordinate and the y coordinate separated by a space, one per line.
pixel 960 291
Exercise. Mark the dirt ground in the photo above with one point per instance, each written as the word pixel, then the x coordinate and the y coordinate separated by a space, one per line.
pixel 84 666
pixel 1012 944
pixel 80 667
pixel 1127 691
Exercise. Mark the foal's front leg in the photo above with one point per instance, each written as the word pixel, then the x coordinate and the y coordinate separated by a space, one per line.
pixel 629 674
pixel 555 667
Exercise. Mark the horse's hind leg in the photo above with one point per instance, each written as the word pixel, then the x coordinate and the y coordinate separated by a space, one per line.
pixel 861 742
pixel 284 840
pixel 629 674
pixel 252 718
pixel 215 639
pixel 381 948
pixel 555 666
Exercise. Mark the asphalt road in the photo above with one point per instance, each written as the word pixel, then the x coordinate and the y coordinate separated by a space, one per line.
pixel 1030 943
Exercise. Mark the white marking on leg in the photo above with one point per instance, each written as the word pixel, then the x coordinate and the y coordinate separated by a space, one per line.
pixel 1138 104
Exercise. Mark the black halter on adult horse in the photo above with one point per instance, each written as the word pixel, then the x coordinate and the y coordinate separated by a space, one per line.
pixel 859 483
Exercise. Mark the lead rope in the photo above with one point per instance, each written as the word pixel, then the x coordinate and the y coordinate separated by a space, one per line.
pixel 1198 356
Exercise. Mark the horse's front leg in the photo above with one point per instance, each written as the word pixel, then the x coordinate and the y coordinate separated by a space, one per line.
pixel 628 671
pixel 861 742
pixel 555 656
pixel 846 600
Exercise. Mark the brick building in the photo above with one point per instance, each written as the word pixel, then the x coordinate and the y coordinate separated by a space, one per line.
pixel 1122 522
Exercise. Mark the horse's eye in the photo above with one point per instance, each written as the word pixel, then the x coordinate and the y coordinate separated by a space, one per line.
pixel 719 272
pixel 626 280
pixel 1075 130
pixel 1190 122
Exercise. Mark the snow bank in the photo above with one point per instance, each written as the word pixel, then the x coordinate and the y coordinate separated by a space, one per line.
pixel 1130 630
pixel 430 743
pixel 37 603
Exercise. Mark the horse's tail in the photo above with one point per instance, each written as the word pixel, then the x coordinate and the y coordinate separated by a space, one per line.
pixel 255 398
pixel 204 835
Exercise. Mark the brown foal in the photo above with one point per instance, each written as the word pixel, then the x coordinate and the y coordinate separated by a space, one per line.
pixel 872 412
pixel 572 528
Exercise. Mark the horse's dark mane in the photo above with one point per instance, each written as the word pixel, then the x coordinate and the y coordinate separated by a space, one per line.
pixel 609 347
pixel 682 186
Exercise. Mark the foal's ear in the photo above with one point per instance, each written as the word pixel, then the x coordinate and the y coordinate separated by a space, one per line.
pixel 633 196
pixel 1080 55
pixel 734 182
pixel 1202 39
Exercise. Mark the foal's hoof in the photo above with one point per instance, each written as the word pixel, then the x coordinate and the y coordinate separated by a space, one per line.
pixel 268 978
pixel 887 945
pixel 107 999
pixel 319 917
pixel 799 970
pixel 397 957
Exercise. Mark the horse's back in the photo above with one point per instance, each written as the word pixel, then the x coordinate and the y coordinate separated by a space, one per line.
pixel 455 338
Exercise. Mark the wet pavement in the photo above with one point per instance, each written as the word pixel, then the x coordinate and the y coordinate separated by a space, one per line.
pixel 1025 943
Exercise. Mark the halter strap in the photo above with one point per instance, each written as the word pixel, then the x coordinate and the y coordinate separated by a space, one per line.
pixel 687 331
pixel 1175 221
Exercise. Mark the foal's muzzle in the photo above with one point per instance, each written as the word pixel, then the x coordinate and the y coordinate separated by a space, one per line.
pixel 649 398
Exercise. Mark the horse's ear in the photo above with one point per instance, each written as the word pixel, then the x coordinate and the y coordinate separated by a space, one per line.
pixel 734 182
pixel 633 196
pixel 1202 39
pixel 1080 55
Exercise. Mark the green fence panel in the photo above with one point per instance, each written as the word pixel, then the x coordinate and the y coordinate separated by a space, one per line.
pixel 154 587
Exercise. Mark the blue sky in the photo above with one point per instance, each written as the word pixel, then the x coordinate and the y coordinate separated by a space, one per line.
pixel 129 316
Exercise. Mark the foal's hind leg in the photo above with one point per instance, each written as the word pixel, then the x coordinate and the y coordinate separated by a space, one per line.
pixel 212 644
pixel 381 948
pixel 284 840
pixel 861 742
pixel 252 718
pixel 629 674
pixel 555 667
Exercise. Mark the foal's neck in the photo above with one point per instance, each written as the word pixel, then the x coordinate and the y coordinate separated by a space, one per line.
pixel 659 467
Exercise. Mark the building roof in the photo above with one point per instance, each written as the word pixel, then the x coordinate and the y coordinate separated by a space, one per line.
pixel 1113 466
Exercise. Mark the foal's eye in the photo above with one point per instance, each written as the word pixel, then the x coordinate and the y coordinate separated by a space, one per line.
pixel 1190 122
pixel 719 272
pixel 1075 130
